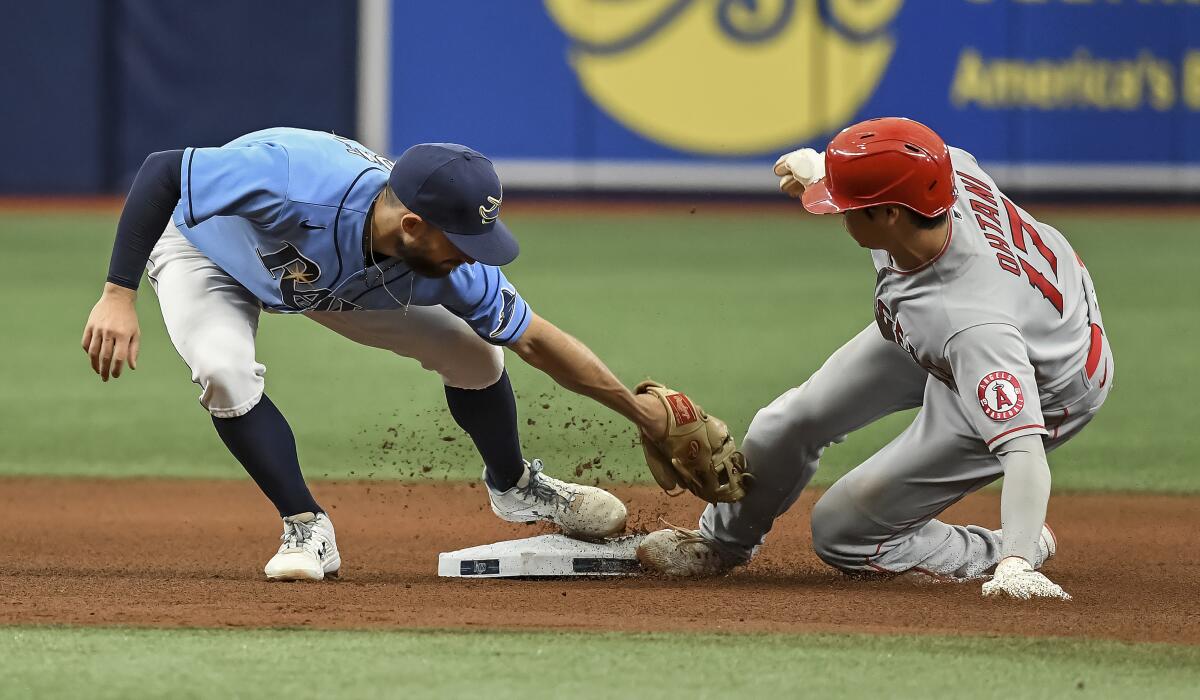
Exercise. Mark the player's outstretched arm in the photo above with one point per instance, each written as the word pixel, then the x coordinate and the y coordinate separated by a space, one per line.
pixel 112 335
pixel 1022 513
pixel 574 366
pixel 684 446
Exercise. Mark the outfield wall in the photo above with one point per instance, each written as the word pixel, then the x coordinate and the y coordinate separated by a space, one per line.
pixel 1071 95
pixel 604 95
pixel 92 86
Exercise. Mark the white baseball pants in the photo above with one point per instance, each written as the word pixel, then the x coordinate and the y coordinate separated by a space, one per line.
pixel 213 322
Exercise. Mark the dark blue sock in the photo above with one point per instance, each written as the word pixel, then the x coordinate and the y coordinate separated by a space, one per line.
pixel 263 442
pixel 489 416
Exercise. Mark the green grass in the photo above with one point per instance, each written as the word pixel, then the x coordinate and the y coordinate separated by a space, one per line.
pixel 735 309
pixel 124 663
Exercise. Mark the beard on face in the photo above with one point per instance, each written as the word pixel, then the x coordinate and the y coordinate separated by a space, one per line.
pixel 426 266
pixel 420 258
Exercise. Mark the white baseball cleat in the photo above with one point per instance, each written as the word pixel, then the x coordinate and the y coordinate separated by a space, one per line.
pixel 677 551
pixel 309 551
pixel 583 512
pixel 1047 545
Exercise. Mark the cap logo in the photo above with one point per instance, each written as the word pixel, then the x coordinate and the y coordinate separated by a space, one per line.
pixel 489 214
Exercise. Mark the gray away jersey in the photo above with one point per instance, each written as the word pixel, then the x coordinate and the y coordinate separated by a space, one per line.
pixel 1005 315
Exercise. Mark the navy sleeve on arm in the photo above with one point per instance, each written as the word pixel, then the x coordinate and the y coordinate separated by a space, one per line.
pixel 152 198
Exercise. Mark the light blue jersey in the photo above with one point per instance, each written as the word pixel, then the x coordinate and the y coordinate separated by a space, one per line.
pixel 283 211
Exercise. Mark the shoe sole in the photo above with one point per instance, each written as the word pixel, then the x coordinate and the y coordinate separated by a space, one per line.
pixel 584 536
pixel 300 576
pixel 289 576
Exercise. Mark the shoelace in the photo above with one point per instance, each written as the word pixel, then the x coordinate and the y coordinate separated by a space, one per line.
pixel 297 533
pixel 686 536
pixel 541 491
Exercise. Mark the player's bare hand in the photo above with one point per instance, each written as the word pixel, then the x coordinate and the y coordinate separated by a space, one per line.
pixel 112 336
pixel 798 170
pixel 1015 578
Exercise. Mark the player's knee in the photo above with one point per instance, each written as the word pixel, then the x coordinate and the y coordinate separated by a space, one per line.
pixel 866 488
pixel 230 387
pixel 825 528
pixel 786 418
pixel 768 425
pixel 833 531
pixel 476 367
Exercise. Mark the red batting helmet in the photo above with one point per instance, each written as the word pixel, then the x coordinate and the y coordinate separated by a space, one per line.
pixel 892 160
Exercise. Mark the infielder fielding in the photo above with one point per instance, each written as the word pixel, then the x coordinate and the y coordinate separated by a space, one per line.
pixel 985 318
pixel 401 256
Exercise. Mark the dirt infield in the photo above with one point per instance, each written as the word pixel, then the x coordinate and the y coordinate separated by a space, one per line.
pixel 189 553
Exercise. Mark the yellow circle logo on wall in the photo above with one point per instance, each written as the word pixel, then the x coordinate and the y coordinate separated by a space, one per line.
pixel 729 77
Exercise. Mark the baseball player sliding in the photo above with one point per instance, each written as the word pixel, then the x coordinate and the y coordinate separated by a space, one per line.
pixel 985 318
pixel 401 256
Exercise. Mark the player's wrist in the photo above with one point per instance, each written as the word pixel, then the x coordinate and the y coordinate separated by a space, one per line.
pixel 651 416
pixel 1012 564
pixel 118 292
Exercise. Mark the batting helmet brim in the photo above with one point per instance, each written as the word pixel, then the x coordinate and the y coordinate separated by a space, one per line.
pixel 817 199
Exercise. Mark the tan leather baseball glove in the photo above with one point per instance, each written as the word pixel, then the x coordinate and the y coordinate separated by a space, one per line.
pixel 698 453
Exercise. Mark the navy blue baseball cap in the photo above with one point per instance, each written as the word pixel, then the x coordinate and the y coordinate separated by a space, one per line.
pixel 456 189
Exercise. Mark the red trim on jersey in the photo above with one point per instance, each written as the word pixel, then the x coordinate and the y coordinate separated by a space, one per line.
pixel 1094 350
pixel 1061 421
pixel 927 263
pixel 1013 430
pixel 1105 378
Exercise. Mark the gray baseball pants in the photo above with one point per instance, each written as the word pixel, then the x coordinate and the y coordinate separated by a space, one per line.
pixel 882 515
